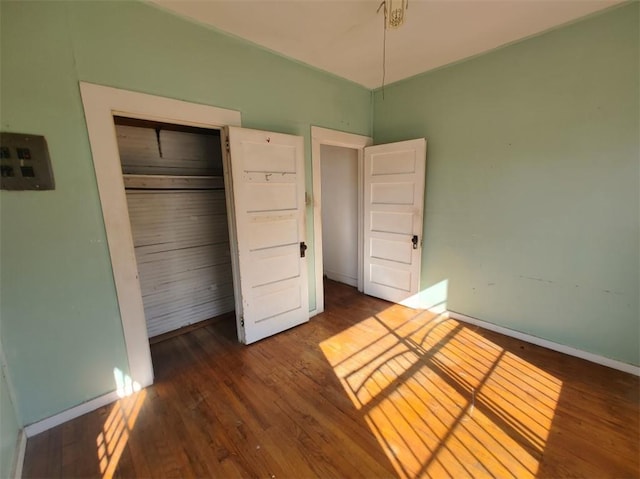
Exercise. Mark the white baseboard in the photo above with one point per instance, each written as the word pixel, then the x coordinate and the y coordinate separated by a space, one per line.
pixel 18 461
pixel 341 278
pixel 594 358
pixel 72 413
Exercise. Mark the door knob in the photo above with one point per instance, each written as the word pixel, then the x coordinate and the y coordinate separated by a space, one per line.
pixel 414 240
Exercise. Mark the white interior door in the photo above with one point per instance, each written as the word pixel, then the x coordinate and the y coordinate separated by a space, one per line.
pixel 268 191
pixel 394 176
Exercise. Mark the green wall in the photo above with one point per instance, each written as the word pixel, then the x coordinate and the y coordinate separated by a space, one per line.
pixel 532 206
pixel 61 323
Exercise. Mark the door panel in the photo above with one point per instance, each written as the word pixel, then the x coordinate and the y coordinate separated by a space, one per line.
pixel 392 250
pixel 270 197
pixel 390 222
pixel 280 158
pixel 392 193
pixel 393 162
pixel 396 278
pixel 267 174
pixel 393 209
pixel 275 264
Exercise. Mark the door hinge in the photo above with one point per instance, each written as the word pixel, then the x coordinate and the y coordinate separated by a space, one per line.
pixel 226 144
pixel 242 322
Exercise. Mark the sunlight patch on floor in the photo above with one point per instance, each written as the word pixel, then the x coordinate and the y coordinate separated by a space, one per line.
pixel 114 436
pixel 441 399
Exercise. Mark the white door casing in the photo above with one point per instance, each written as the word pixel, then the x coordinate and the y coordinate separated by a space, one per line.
pixel 323 136
pixel 101 103
pixel 267 181
pixel 394 178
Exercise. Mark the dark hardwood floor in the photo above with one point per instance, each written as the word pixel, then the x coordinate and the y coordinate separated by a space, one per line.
pixel 367 389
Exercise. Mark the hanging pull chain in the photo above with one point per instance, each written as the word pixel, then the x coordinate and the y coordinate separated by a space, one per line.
pixel 384 42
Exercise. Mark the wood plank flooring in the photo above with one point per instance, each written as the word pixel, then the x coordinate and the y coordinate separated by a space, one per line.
pixel 367 389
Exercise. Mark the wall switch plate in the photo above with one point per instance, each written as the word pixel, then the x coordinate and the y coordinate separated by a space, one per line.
pixel 25 162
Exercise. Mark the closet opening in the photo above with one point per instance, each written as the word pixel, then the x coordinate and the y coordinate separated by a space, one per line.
pixel 174 186
pixel 340 216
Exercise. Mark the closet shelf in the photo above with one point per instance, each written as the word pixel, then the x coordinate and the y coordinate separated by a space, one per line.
pixel 172 182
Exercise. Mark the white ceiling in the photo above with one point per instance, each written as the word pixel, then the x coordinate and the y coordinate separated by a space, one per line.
pixel 345 37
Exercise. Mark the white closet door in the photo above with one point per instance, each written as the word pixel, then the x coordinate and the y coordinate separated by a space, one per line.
pixel 393 207
pixel 268 186
pixel 182 250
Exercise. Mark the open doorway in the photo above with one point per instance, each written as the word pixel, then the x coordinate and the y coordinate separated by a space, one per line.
pixel 250 200
pixel 339 180
pixel 390 196
pixel 101 103
pixel 175 192
pixel 337 161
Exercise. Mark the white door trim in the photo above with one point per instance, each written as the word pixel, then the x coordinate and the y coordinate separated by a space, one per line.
pixel 100 104
pixel 319 137
pixel 18 458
